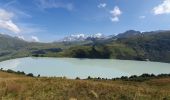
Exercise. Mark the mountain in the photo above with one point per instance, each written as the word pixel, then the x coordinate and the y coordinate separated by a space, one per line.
pixel 128 34
pixel 99 36
pixel 82 37
pixel 153 46
pixel 131 45
pixel 7 42
pixel 10 45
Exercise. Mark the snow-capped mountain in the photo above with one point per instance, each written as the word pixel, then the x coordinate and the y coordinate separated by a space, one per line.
pixel 100 36
pixel 97 35
pixel 82 37
pixel 78 37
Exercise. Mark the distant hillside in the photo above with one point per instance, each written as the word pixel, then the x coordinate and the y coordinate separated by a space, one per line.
pixel 8 42
pixel 131 45
pixel 128 34
pixel 13 47
pixel 154 46
pixel 10 45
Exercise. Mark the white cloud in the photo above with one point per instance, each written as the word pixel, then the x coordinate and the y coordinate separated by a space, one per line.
pixel 102 5
pixel 4 15
pixel 142 17
pixel 47 4
pixel 116 12
pixel 114 19
pixel 9 25
pixel 6 21
pixel 163 8
pixel 34 39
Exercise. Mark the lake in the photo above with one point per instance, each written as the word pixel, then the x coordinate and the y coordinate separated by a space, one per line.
pixel 73 67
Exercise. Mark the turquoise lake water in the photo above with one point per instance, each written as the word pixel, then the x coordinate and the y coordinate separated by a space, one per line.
pixel 72 67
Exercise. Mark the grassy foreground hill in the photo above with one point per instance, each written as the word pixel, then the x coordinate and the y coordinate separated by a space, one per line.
pixel 20 87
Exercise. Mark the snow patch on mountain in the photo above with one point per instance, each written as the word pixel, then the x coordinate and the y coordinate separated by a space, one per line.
pixel 82 37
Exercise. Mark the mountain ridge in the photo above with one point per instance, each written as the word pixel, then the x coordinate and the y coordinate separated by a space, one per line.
pixel 130 45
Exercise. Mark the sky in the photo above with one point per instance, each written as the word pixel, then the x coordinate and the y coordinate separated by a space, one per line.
pixel 51 20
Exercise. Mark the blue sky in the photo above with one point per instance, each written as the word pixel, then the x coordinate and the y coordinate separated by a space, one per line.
pixel 50 20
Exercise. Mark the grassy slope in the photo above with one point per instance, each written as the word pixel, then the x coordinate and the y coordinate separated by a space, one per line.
pixel 20 87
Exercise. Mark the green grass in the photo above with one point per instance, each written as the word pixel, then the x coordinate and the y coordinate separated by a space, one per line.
pixel 20 87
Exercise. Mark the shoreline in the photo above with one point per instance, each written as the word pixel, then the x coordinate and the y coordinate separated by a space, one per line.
pixel 140 78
